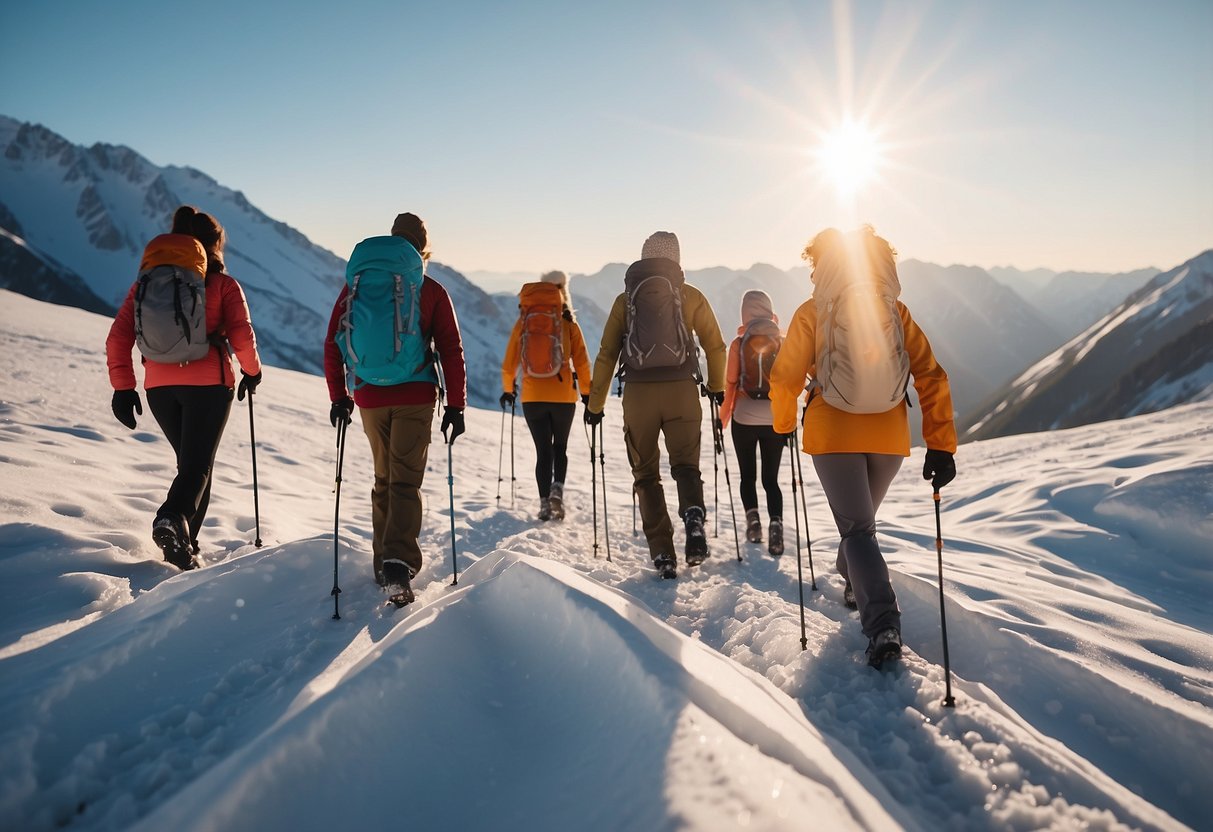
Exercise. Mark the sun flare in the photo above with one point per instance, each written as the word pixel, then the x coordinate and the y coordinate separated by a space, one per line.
pixel 849 155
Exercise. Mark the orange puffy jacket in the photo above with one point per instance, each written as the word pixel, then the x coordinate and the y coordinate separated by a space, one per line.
pixel 828 430
pixel 558 388
pixel 227 316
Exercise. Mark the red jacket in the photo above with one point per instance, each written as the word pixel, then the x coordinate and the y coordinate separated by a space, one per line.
pixel 439 323
pixel 226 316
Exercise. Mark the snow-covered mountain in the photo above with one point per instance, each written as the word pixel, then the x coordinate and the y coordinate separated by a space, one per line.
pixel 1072 301
pixel 552 689
pixel 74 221
pixel 1152 352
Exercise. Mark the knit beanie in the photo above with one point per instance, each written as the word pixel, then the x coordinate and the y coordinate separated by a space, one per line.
pixel 661 244
pixel 558 277
pixel 411 228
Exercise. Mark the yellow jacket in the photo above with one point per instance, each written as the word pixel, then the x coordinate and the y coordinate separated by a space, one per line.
pixel 828 430
pixel 700 322
pixel 558 388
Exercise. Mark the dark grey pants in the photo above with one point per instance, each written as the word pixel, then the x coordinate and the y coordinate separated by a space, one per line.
pixel 855 484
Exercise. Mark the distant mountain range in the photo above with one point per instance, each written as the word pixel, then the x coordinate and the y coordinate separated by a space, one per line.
pixel 74 220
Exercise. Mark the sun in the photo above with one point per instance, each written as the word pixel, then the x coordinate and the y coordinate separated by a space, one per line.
pixel 849 155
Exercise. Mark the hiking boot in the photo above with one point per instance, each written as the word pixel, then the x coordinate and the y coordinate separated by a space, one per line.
pixel 556 501
pixel 169 534
pixel 697 540
pixel 848 597
pixel 545 509
pixel 753 526
pixel 398 581
pixel 775 537
pixel 666 565
pixel 883 646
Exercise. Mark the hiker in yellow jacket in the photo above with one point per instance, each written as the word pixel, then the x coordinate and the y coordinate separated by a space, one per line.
pixel 548 346
pixel 857 454
pixel 651 325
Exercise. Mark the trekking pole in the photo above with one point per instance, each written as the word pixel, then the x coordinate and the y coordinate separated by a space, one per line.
pixel 252 435
pixel 718 433
pixel 450 481
pixel 513 479
pixel 594 483
pixel 948 700
pixel 606 523
pixel 804 639
pixel 715 475
pixel 808 538
pixel 341 423
pixel 500 452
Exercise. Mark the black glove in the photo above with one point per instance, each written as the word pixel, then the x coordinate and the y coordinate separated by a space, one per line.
pixel 789 439
pixel 940 468
pixel 452 418
pixel 717 397
pixel 593 419
pixel 248 384
pixel 341 411
pixel 125 405
pixel 507 400
pixel 585 399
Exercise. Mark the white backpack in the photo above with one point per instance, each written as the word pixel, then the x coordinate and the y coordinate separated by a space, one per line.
pixel 862 364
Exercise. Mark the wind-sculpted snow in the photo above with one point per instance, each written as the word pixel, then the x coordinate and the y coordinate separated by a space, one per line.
pixel 554 689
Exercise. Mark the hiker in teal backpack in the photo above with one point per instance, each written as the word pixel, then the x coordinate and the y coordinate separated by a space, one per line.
pixel 387 324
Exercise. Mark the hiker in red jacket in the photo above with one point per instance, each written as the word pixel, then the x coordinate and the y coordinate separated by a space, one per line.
pixel 397 417
pixel 189 399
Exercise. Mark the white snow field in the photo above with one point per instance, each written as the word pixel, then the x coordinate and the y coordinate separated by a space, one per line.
pixel 553 689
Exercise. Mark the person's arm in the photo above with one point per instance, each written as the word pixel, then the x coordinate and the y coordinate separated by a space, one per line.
pixel 608 354
pixel 732 378
pixel 581 359
pixel 931 383
pixel 707 329
pixel 513 356
pixel 449 344
pixel 797 356
pixel 119 343
pixel 334 364
pixel 238 327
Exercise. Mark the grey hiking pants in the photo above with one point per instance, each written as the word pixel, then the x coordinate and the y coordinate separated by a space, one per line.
pixel 855 484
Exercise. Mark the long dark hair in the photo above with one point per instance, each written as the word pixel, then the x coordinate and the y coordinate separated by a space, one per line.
pixel 205 229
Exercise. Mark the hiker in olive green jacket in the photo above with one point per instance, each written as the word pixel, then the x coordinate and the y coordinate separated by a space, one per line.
pixel 650 328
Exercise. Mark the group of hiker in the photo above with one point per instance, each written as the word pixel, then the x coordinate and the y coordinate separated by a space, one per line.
pixel 852 347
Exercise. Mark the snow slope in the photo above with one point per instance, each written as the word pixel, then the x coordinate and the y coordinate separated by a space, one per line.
pixel 553 688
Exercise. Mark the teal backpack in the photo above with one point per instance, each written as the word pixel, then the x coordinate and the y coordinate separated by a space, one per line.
pixel 380 334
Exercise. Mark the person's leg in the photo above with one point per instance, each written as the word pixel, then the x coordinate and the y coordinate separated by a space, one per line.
pixel 844 477
pixel 562 424
pixel 682 426
pixel 193 419
pixel 641 427
pixel 408 452
pixel 207 412
pixel 882 469
pixel 771 447
pixel 377 424
pixel 745 446
pixel 538 417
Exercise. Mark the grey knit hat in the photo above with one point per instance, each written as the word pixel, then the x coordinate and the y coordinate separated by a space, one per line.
pixel 661 244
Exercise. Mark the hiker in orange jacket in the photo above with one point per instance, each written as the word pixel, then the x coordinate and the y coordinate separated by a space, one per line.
pixel 856 455
pixel 190 400
pixel 549 348
pixel 752 433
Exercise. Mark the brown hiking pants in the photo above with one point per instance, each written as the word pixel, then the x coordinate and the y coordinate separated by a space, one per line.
pixel 400 444
pixel 650 410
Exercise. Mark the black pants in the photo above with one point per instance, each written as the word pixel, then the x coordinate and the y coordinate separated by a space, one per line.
pixel 747 440
pixel 192 419
pixel 550 423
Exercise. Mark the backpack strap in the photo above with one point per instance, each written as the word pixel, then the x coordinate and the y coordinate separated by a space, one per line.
pixel 347 321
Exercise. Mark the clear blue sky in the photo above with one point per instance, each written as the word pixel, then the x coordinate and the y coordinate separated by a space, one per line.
pixel 537 135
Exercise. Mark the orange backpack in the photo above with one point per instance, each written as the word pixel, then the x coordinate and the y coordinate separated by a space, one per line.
pixel 542 308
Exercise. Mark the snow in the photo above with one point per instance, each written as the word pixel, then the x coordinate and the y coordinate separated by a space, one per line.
pixel 552 689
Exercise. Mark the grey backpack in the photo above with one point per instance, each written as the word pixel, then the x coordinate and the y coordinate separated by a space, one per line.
pixel 170 301
pixel 656 335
